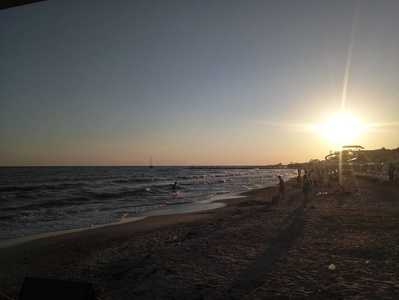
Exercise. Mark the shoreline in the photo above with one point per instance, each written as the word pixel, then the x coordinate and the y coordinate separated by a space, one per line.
pixel 42 246
pixel 246 249
pixel 209 204
pixel 18 230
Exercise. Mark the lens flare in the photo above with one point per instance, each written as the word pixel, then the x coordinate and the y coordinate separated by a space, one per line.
pixel 342 129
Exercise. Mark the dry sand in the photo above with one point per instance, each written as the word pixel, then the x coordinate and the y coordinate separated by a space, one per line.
pixel 248 249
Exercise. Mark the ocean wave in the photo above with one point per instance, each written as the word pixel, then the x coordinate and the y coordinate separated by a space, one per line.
pixel 222 192
pixel 143 208
pixel 10 217
pixel 41 205
pixel 56 198
pixel 177 202
pixel 203 176
pixel 134 180
pixel 124 193
pixel 216 181
pixel 40 187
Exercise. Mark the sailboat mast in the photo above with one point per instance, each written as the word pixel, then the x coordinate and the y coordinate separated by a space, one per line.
pixel 151 166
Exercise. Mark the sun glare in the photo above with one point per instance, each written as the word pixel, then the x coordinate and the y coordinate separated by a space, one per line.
pixel 342 129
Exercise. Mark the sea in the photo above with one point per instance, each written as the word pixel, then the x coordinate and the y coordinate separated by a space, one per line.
pixel 39 200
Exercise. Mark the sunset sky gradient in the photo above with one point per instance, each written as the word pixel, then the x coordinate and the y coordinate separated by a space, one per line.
pixel 194 82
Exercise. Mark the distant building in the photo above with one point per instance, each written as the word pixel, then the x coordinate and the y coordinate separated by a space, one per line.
pixel 383 156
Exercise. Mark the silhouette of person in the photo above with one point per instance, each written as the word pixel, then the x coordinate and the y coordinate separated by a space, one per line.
pixel 174 189
pixel 391 171
pixel 281 188
pixel 306 189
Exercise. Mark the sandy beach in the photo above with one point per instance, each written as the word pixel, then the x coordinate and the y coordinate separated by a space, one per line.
pixel 340 246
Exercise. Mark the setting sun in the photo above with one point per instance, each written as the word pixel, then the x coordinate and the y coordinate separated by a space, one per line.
pixel 342 129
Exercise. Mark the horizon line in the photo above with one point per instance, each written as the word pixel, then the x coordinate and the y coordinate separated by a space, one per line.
pixel 146 166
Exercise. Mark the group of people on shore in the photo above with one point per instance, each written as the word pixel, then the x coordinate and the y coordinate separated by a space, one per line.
pixel 306 182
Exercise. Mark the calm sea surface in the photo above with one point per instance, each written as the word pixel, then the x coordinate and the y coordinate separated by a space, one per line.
pixel 35 200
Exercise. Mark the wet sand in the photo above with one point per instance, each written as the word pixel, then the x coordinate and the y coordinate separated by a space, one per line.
pixel 340 246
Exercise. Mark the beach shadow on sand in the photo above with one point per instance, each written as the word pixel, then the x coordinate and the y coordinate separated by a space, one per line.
pixel 256 274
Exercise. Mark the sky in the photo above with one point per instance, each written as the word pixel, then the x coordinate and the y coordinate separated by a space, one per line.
pixel 195 82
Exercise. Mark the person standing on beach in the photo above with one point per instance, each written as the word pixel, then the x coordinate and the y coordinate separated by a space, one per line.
pixel 391 171
pixel 397 174
pixel 281 187
pixel 298 179
pixel 306 189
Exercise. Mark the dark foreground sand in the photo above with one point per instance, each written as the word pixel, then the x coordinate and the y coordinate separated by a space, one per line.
pixel 248 249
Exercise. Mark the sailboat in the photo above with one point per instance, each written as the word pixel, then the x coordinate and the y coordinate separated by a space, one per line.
pixel 151 166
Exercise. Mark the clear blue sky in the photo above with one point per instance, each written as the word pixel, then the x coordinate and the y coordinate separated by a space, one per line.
pixel 193 82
